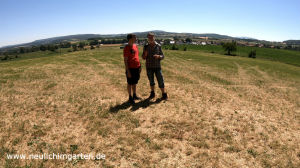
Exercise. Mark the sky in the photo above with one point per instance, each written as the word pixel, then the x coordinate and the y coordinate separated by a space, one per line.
pixel 28 20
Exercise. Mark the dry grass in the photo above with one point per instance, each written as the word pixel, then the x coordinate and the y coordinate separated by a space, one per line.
pixel 222 112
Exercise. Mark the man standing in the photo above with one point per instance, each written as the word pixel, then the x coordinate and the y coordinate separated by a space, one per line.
pixel 153 54
pixel 132 66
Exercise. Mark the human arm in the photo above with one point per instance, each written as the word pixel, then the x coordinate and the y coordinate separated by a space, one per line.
pixel 160 55
pixel 125 53
pixel 145 52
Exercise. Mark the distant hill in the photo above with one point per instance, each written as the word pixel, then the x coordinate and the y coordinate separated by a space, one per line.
pixel 159 34
pixel 55 40
pixel 163 34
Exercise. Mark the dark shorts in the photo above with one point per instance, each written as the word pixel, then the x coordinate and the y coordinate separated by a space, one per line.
pixel 135 76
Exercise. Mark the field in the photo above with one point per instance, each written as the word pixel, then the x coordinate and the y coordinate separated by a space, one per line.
pixel 222 111
pixel 280 55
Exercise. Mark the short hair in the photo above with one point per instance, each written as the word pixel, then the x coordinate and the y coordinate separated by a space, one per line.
pixel 150 34
pixel 129 36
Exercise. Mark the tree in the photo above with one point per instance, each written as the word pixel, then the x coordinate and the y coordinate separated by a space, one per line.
pixel 94 42
pixel 34 48
pixel 252 54
pixel 74 46
pixel 22 50
pixel 5 56
pixel 230 47
pixel 188 40
pixel 65 45
pixel 43 48
pixel 167 41
pixel 56 47
pixel 81 45
pixel 51 47
pixel 174 47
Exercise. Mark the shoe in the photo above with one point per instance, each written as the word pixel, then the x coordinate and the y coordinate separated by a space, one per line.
pixel 135 97
pixel 131 100
pixel 164 96
pixel 152 95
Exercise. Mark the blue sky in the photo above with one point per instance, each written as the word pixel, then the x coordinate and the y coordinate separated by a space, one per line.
pixel 29 20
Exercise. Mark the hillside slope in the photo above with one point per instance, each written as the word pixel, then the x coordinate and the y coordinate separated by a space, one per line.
pixel 81 37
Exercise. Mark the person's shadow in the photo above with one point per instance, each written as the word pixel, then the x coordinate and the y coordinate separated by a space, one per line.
pixel 118 107
pixel 141 104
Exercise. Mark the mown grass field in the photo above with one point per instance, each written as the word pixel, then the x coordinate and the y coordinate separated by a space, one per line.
pixel 223 111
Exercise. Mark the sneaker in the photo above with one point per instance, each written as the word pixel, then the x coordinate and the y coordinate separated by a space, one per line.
pixel 135 97
pixel 131 100
pixel 152 95
pixel 164 96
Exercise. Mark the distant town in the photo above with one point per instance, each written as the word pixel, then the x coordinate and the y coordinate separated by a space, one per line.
pixel 91 41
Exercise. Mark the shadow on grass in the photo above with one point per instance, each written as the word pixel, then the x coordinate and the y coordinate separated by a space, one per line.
pixel 141 104
pixel 118 107
pixel 144 104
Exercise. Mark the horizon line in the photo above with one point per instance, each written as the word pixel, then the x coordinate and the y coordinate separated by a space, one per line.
pixel 5 46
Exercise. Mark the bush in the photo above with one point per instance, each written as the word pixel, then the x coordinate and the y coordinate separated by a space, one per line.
pixel 81 45
pixel 22 50
pixel 174 47
pixel 5 57
pixel 252 54
pixel 74 46
pixel 51 48
pixel 43 48
pixel 65 45
pixel 94 42
pixel 188 40
pixel 185 49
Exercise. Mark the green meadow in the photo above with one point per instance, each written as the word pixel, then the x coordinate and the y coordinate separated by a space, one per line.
pixel 278 55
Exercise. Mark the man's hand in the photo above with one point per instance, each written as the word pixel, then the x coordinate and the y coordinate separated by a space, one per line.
pixel 145 54
pixel 156 56
pixel 128 74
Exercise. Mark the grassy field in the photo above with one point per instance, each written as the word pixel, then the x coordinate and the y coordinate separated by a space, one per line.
pixel 223 111
pixel 280 55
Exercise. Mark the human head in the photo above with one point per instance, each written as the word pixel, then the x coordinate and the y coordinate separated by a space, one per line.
pixel 131 38
pixel 150 37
